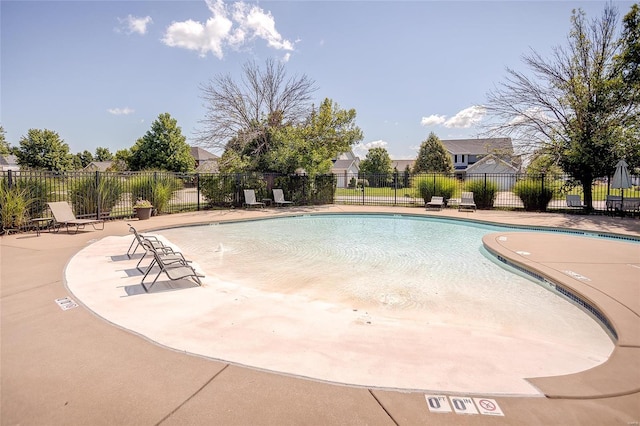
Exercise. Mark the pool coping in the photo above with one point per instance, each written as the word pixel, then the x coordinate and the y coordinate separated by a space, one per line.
pixel 623 319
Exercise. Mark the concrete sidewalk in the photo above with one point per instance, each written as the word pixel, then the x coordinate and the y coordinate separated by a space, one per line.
pixel 71 367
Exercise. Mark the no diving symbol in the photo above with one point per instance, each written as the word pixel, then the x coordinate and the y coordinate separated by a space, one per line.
pixel 487 405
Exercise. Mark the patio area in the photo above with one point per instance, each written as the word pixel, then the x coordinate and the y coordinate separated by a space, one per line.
pixel 73 367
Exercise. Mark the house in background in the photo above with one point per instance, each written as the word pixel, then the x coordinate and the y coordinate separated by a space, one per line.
pixel 98 166
pixel 466 152
pixel 205 161
pixel 345 166
pixel 492 168
pixel 9 162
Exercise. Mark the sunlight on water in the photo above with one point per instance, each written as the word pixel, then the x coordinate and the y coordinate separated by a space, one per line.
pixel 396 264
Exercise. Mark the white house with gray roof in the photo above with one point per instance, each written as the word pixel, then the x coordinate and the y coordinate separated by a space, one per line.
pixel 466 152
pixel 492 168
pixel 9 162
pixel 345 166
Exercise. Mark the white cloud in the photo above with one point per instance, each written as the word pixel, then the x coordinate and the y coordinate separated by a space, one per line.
pixel 462 120
pixel 121 111
pixel 133 24
pixel 361 149
pixel 433 120
pixel 234 28
pixel 467 117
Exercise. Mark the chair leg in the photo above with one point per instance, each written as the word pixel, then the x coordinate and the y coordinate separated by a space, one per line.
pixel 131 253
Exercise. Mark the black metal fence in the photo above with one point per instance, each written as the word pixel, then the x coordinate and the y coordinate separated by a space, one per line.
pixel 109 195
pixel 491 191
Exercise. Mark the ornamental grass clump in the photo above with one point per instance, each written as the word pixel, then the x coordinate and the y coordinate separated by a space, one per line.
pixel 156 187
pixel 14 206
pixel 431 185
pixel 535 193
pixel 484 192
pixel 87 194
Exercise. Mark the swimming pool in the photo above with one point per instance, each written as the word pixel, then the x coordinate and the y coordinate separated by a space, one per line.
pixel 267 304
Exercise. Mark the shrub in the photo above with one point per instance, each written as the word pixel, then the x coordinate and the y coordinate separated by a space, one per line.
pixel 324 189
pixel 535 193
pixel 428 186
pixel 296 187
pixel 361 183
pixel 484 192
pixel 85 195
pixel 218 190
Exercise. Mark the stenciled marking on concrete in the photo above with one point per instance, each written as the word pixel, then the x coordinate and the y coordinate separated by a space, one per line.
pixel 438 403
pixel 488 407
pixel 463 405
pixel 66 303
pixel 576 275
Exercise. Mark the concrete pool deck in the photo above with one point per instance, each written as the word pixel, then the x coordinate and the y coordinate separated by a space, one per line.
pixel 72 367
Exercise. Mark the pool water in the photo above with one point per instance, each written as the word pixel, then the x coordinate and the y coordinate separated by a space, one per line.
pixel 396 265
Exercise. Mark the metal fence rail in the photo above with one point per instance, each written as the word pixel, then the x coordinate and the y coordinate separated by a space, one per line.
pixel 109 195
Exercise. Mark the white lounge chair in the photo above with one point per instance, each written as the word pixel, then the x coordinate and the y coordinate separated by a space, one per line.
pixel 466 202
pixel 250 198
pixel 63 216
pixel 435 203
pixel 574 201
pixel 278 198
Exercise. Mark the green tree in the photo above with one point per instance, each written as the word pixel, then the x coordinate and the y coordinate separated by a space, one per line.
pixel 326 132
pixel 309 145
pixel 575 106
pixel 163 147
pixel 43 149
pixel 103 154
pixel 376 167
pixel 543 164
pixel 628 65
pixel 4 145
pixel 433 157
pixel 76 161
pixel 86 157
pixel 121 159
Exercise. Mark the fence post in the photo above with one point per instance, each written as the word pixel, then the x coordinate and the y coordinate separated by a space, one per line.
pixel 10 179
pixel 484 189
pixel 197 177
pixel 98 194
pixel 395 187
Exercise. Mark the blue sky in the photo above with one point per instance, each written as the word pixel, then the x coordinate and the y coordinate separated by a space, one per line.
pixel 100 72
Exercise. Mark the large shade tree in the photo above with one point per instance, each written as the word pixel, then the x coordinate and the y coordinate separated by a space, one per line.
pixel 43 149
pixel 628 63
pixel 244 110
pixel 163 147
pixel 575 106
pixel 311 145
